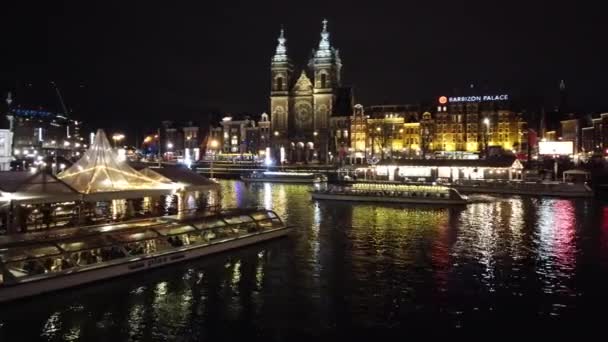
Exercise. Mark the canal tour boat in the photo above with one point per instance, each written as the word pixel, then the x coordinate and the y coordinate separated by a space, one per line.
pixel 31 265
pixel 285 177
pixel 392 193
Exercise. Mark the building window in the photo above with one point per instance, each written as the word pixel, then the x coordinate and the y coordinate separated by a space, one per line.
pixel 279 83
pixel 323 80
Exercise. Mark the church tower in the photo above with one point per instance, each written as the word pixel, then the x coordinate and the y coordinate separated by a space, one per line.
pixel 280 77
pixel 326 67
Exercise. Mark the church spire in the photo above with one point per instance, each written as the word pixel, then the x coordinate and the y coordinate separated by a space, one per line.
pixel 324 45
pixel 281 51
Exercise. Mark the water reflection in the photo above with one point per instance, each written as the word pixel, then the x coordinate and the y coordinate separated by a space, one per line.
pixel 351 266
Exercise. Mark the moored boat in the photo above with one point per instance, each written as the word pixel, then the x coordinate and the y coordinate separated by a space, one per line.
pixel 33 266
pixel 392 193
pixel 285 177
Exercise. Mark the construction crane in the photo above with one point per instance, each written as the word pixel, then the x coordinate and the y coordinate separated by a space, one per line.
pixel 65 109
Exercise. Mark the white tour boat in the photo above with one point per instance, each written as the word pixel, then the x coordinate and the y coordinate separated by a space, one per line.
pixel 285 177
pixel 31 265
pixel 392 193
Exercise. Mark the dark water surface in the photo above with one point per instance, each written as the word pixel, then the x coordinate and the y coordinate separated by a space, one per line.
pixel 506 264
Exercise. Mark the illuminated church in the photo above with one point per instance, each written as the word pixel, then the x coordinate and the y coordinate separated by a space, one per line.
pixel 306 104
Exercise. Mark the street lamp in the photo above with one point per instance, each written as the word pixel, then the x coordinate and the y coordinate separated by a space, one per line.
pixel 486 122
pixel 118 137
pixel 169 145
pixel 214 145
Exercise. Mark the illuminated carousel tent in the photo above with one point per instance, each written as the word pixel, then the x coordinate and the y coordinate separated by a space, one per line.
pixel 101 175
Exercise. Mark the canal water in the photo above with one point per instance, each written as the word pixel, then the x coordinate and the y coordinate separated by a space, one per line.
pixel 508 265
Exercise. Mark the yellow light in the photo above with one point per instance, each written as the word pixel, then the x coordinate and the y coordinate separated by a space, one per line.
pixel 214 143
pixel 276 133
pixel 118 137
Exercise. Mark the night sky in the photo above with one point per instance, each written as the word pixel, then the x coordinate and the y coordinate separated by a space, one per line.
pixel 131 65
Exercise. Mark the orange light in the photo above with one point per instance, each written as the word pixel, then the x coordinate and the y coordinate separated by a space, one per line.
pixel 443 100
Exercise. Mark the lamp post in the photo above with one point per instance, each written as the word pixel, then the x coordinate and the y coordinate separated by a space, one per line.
pixel 117 138
pixel 316 146
pixel 486 123
pixel 214 145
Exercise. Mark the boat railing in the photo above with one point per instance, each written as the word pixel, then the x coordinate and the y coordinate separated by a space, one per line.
pixel 31 262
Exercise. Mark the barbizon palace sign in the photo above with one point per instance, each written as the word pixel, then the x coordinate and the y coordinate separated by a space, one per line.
pixel 502 97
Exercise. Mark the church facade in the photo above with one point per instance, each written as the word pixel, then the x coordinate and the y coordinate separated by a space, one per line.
pixel 303 101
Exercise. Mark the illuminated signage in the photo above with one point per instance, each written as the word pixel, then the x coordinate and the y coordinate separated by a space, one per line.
pixel 455 99
pixel 443 100
pixel 555 148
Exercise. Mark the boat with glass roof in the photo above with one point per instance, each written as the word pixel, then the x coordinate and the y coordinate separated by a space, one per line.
pixel 391 193
pixel 36 263
pixel 285 177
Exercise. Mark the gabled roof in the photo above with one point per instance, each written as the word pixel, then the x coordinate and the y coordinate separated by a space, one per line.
pixel 100 170
pixel 303 85
pixel 40 182
pixel 24 187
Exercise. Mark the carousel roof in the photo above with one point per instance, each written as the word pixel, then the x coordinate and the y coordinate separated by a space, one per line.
pixel 101 170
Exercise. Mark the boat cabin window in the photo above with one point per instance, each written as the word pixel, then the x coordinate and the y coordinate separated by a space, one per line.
pixel 132 237
pixel 82 244
pixel 19 269
pixel 121 226
pixel 238 219
pixel 243 223
pixel 174 230
pixel 27 252
pixel 211 223
pixel 262 215
pixel 38 266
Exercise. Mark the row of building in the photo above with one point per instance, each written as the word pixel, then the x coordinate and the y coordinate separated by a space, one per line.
pixel 31 134
pixel 313 118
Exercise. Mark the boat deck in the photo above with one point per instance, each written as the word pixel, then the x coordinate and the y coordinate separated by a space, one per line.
pixel 27 258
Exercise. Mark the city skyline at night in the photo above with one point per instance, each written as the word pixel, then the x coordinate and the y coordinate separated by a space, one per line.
pixel 186 62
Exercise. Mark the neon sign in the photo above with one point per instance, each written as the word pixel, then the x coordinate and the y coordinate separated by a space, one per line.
pixel 476 98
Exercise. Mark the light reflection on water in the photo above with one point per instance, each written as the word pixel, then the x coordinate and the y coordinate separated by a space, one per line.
pixel 532 262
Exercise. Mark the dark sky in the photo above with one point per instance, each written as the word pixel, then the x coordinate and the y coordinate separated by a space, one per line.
pixel 128 64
